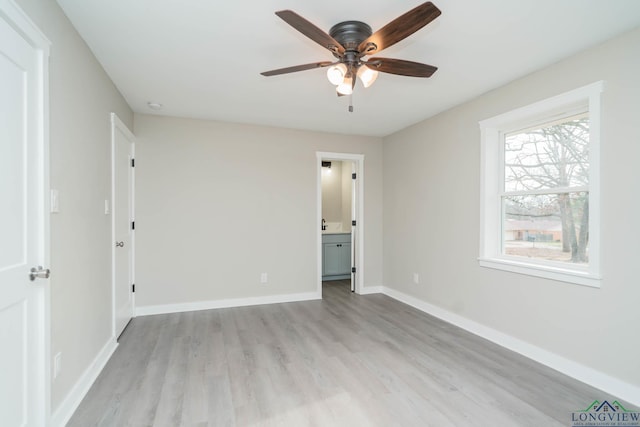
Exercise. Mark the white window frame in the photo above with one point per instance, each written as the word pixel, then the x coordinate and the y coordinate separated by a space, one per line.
pixel 493 131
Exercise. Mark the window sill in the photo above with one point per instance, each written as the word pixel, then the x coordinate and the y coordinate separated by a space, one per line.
pixel 554 273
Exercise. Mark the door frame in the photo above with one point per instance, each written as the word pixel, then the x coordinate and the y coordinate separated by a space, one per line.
pixel 41 356
pixel 117 124
pixel 358 162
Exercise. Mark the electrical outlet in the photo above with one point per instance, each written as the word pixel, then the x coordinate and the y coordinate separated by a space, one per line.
pixel 57 365
pixel 264 278
pixel 416 278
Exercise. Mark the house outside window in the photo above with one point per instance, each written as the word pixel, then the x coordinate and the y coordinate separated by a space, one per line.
pixel 540 201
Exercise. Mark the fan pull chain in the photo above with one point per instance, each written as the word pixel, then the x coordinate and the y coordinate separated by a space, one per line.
pixel 351 103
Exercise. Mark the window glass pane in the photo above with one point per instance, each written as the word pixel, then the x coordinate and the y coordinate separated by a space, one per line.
pixel 555 155
pixel 551 227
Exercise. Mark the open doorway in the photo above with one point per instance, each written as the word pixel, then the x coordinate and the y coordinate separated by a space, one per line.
pixel 340 216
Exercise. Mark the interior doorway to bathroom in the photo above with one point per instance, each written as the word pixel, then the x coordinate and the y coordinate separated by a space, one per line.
pixel 340 216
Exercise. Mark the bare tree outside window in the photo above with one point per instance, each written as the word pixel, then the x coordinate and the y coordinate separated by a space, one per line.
pixel 546 191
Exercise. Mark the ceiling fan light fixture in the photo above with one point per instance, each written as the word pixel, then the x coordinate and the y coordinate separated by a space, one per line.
pixel 346 87
pixel 367 75
pixel 336 73
pixel 351 41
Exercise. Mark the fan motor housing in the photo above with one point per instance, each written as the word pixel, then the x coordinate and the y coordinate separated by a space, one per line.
pixel 350 34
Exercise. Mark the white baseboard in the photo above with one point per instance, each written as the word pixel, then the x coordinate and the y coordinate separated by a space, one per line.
pixel 597 379
pixel 224 303
pixel 65 410
pixel 367 290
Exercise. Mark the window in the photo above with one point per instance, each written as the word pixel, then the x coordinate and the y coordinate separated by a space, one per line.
pixel 540 188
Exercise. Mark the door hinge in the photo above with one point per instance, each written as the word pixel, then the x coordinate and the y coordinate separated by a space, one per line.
pixel 353 176
pixel 133 163
pixel 133 225
pixel 353 269
pixel 133 287
pixel 353 223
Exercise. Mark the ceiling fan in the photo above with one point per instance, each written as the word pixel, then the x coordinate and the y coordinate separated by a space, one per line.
pixel 351 41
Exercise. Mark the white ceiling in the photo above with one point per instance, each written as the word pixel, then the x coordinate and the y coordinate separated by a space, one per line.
pixel 203 58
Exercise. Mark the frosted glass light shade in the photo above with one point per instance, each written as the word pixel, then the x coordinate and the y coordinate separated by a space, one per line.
pixel 336 73
pixel 367 75
pixel 346 87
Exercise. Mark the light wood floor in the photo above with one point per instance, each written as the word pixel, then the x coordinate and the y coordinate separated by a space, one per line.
pixel 347 360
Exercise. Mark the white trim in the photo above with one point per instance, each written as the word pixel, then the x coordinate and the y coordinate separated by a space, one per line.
pixel 22 23
pixel 565 102
pixel 149 310
pixel 491 191
pixel 355 236
pixel 368 290
pixel 358 160
pixel 65 411
pixel 542 270
pixel 29 30
pixel 593 377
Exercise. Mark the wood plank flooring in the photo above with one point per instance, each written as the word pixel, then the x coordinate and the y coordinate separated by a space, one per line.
pixel 348 360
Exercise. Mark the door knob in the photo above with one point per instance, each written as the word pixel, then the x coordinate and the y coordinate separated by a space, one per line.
pixel 119 244
pixel 39 273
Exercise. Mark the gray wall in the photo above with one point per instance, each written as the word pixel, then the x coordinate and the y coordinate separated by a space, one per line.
pixel 236 201
pixel 81 98
pixel 431 225
pixel 332 192
pixel 336 193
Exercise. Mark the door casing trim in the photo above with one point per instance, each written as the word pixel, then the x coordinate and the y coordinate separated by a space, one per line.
pixel 358 160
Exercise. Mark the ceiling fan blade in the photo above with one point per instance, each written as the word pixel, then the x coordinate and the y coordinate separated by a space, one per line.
pixel 401 67
pixel 296 68
pixel 400 28
pixel 311 31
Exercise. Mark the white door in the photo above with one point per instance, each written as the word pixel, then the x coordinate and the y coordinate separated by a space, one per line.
pixel 123 232
pixel 354 230
pixel 23 227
